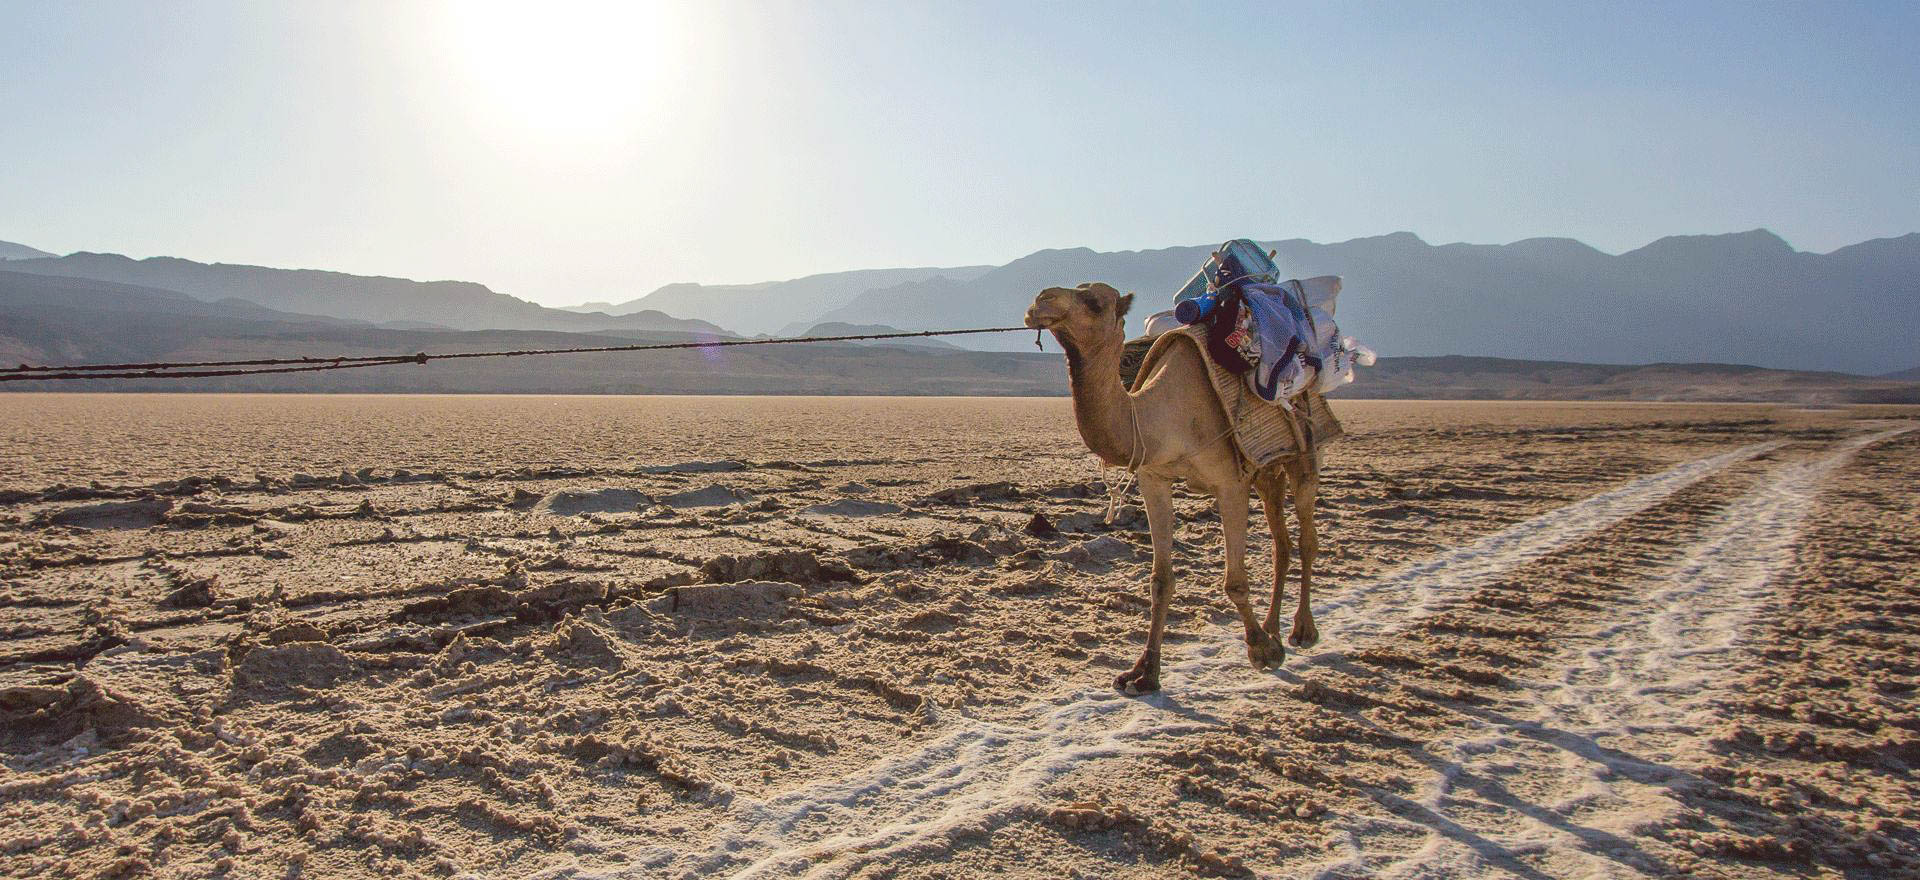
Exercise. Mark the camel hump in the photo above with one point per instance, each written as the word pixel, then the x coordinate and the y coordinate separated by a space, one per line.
pixel 1263 432
pixel 1139 355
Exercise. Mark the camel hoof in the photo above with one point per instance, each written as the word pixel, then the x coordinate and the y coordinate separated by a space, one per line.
pixel 1304 636
pixel 1136 682
pixel 1267 653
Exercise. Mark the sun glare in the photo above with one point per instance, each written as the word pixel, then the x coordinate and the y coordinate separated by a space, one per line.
pixel 568 68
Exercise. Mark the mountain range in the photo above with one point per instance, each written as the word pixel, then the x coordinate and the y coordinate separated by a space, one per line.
pixel 53 320
pixel 50 320
pixel 394 302
pixel 1745 298
pixel 57 320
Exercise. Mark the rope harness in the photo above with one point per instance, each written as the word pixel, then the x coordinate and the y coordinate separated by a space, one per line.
pixel 1117 494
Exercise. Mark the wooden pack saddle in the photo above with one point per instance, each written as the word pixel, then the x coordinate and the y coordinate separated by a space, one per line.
pixel 1263 432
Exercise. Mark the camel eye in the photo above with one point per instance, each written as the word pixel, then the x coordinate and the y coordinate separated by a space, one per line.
pixel 1091 302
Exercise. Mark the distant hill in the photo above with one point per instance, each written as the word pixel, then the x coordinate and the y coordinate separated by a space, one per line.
pixel 1911 374
pixel 776 306
pixel 1001 295
pixel 11 251
pixel 49 320
pixel 836 328
pixel 1740 298
pixel 1480 378
pixel 461 305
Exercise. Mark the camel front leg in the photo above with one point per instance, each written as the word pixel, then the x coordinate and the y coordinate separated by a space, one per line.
pixel 1157 495
pixel 1306 486
pixel 1263 651
pixel 1272 485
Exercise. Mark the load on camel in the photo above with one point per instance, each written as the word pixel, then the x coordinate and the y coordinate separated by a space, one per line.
pixel 1181 413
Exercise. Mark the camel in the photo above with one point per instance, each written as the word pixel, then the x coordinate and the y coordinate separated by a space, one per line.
pixel 1170 427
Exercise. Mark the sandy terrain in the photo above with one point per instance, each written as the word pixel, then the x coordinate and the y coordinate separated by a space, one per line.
pixel 346 636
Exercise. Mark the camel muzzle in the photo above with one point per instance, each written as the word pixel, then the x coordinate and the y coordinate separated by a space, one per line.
pixel 1045 312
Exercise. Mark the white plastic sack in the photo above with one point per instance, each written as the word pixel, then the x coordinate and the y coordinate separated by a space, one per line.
pixel 1161 322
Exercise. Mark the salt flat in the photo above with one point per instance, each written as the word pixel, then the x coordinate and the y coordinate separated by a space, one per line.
pixel 347 635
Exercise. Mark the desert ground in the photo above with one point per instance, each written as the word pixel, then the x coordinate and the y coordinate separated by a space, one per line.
pixel 600 637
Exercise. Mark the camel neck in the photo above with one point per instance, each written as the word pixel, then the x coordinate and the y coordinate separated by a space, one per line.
pixel 1101 406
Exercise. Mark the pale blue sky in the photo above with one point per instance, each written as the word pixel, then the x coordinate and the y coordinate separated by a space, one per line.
pixel 594 152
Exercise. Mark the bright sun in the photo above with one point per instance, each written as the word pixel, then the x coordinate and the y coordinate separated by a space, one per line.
pixel 569 68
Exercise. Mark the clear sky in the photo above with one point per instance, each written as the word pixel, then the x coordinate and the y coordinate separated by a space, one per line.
pixel 572 151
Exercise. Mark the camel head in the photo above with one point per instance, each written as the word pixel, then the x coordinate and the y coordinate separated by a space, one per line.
pixel 1087 314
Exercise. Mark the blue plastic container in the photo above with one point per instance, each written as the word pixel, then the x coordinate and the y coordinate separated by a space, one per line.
pixel 1237 262
pixel 1195 310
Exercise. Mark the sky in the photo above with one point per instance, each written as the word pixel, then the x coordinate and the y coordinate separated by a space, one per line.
pixel 574 151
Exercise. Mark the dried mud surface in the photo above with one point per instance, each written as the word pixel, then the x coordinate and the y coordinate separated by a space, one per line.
pixel 350 636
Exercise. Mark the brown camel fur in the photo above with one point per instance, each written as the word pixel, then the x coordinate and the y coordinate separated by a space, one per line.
pixel 1170 427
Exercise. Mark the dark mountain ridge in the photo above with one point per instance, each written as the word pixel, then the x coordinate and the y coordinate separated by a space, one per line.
pixel 460 305
pixel 1741 298
pixel 51 320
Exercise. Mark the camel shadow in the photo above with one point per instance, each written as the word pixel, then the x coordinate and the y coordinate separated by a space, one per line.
pixel 1614 847
pixel 1170 702
pixel 1686 788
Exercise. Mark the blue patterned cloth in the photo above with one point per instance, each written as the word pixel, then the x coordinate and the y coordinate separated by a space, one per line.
pixel 1281 334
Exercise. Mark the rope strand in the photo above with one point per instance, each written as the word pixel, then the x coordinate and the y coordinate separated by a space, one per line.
pixel 176 370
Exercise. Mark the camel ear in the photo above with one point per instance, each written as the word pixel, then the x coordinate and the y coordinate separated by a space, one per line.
pixel 1121 306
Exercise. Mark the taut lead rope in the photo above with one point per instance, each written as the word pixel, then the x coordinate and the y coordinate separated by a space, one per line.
pixel 260 366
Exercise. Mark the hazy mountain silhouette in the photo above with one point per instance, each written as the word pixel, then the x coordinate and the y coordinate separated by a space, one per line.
pixel 461 305
pixel 1741 298
pixel 1746 298
pixel 11 251
pixel 53 320
pixel 780 307
pixel 56 320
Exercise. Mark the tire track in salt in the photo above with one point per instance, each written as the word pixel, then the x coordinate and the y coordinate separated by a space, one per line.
pixel 981 772
pixel 1598 738
pixel 1419 589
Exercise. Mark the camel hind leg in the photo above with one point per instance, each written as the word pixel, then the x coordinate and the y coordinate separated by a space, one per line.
pixel 1305 475
pixel 1263 650
pixel 1272 486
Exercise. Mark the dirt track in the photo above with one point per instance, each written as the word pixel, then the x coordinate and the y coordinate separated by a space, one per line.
pixel 365 636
